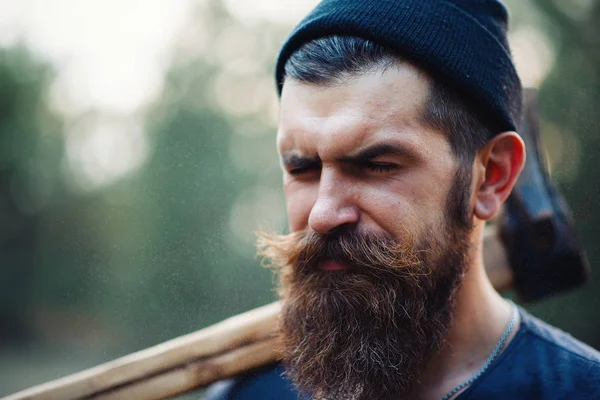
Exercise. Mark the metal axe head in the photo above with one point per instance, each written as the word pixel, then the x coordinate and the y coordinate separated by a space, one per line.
pixel 536 226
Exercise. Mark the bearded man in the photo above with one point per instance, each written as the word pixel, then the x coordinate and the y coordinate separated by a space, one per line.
pixel 398 142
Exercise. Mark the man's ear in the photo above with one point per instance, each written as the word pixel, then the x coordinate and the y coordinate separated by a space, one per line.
pixel 498 166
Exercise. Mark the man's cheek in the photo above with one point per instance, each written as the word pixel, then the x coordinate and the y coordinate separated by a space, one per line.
pixel 397 218
pixel 300 201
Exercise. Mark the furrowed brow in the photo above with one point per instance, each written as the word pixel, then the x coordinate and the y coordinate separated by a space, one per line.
pixel 377 150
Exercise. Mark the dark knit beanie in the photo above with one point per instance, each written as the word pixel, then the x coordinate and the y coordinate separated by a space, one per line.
pixel 461 43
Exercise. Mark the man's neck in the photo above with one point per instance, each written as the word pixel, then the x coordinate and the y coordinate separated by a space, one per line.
pixel 480 318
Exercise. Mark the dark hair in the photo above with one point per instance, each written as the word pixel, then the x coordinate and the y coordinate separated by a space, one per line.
pixel 332 59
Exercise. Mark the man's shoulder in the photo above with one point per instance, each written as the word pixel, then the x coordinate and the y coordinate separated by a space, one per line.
pixel 553 342
pixel 541 362
pixel 268 383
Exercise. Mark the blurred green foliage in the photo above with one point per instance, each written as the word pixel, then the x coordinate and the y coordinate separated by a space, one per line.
pixel 30 150
pixel 94 274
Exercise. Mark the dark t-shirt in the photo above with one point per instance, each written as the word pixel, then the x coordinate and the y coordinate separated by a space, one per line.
pixel 541 362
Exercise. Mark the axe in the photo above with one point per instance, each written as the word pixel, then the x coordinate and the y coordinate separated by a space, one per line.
pixel 533 247
pixel 536 226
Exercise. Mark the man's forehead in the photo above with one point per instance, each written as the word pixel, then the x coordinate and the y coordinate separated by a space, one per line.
pixel 355 112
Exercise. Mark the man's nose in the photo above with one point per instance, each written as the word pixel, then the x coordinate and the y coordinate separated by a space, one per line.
pixel 334 206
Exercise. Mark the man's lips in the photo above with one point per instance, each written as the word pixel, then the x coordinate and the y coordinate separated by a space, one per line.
pixel 330 265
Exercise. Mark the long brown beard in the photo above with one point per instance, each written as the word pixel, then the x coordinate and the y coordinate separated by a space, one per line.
pixel 366 332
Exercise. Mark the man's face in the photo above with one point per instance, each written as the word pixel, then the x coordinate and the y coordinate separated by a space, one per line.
pixel 358 154
pixel 380 227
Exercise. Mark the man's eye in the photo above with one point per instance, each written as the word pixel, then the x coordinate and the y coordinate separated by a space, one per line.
pixel 381 167
pixel 302 171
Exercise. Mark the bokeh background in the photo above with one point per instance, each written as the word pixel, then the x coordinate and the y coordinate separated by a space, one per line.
pixel 137 158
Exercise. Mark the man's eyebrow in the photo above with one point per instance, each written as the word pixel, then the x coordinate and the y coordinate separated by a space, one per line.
pixel 292 159
pixel 377 150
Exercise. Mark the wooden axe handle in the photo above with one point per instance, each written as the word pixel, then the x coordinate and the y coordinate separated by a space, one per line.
pixel 229 348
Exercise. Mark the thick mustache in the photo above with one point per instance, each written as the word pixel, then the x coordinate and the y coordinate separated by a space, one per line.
pixel 305 250
pixel 346 248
